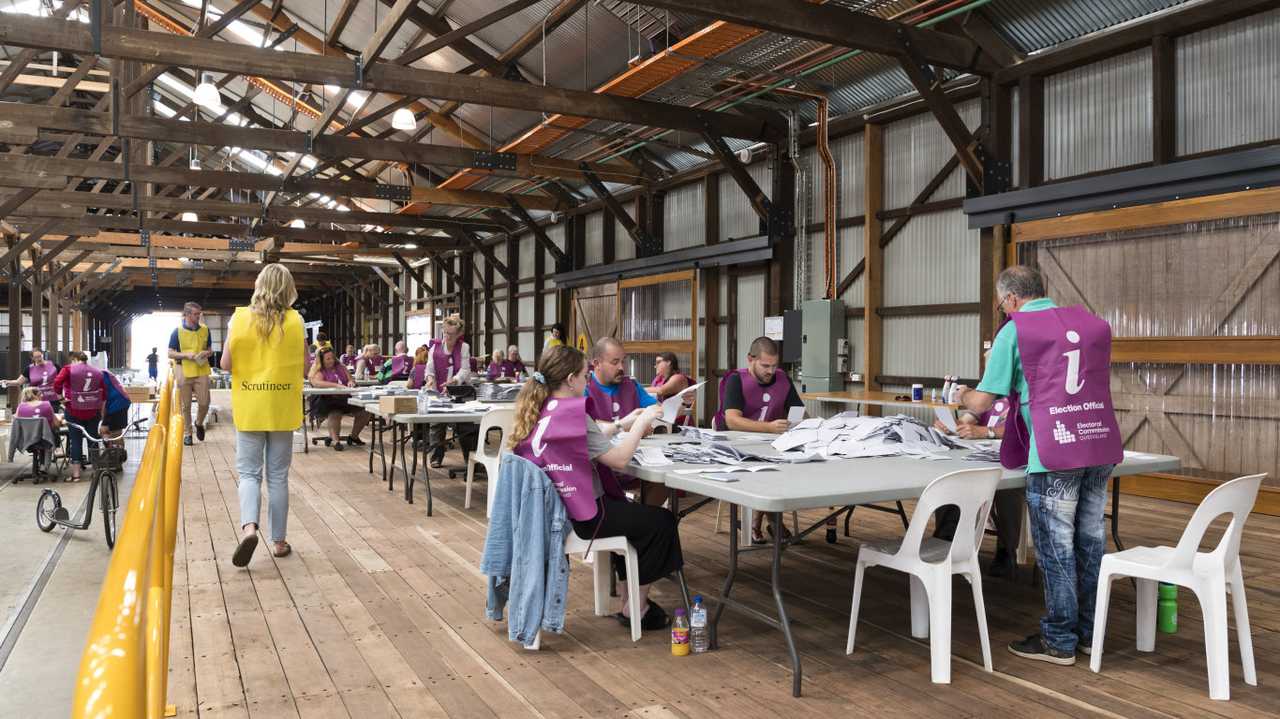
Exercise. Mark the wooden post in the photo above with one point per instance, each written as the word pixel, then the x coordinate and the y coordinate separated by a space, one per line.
pixel 513 288
pixel 711 301
pixel 1031 131
pixel 37 310
pixel 782 269
pixel 873 279
pixel 539 303
pixel 488 305
pixel 54 311
pixel 15 326
pixel 1164 107
pixel 608 234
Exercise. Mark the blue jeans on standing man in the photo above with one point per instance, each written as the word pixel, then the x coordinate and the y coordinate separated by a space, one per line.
pixel 272 452
pixel 1066 511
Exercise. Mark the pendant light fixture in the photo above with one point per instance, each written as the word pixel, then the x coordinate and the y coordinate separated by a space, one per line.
pixel 206 94
pixel 403 119
pixel 190 217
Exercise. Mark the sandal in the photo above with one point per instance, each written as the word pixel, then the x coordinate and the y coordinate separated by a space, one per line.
pixel 281 549
pixel 655 618
pixel 339 447
pixel 244 550
pixel 355 441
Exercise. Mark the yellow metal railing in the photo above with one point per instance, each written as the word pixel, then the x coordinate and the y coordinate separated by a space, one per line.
pixel 125 667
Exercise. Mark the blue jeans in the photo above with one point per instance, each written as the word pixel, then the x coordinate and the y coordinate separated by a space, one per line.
pixel 274 452
pixel 77 429
pixel 1066 524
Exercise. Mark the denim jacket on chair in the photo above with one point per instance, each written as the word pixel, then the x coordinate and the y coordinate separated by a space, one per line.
pixel 524 555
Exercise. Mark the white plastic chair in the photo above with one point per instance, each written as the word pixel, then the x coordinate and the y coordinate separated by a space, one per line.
pixel 932 562
pixel 1211 575
pixel 596 553
pixel 502 420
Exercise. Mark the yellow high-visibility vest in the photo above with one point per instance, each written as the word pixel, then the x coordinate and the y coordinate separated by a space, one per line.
pixel 266 376
pixel 193 341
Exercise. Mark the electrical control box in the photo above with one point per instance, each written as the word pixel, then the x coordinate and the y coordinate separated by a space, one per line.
pixel 822 339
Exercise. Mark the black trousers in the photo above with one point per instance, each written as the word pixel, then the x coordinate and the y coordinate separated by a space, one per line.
pixel 1006 510
pixel 651 530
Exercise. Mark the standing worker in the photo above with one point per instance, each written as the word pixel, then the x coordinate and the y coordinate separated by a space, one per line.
pixel 1054 365
pixel 614 400
pixel 189 345
pixel 153 365
pixel 81 384
pixel 265 354
pixel 449 362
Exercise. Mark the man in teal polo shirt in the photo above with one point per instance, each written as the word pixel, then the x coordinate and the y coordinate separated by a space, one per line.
pixel 1065 506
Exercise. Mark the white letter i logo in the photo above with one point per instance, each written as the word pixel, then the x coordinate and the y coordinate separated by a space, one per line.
pixel 1074 385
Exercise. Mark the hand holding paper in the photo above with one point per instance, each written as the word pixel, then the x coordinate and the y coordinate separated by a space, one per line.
pixel 795 414
pixel 946 417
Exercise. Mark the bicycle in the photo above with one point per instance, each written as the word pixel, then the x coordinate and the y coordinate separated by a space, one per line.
pixel 108 457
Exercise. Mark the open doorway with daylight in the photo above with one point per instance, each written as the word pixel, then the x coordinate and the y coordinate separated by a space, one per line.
pixel 152 332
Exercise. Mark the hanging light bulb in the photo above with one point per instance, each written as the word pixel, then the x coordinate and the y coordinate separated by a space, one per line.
pixel 206 94
pixel 403 119
pixel 195 163
pixel 190 217
pixel 297 224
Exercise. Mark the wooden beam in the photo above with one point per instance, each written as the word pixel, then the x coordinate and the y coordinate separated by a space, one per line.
pixel 463 31
pixel 873 255
pixel 759 201
pixel 840 27
pixel 644 242
pixel 139 45
pixel 928 85
pixel 383 276
pixel 1196 350
pixel 540 235
pixel 340 21
pixel 1164 101
pixel 22 245
pixel 1031 131
pixel 485 250
pixel 424 290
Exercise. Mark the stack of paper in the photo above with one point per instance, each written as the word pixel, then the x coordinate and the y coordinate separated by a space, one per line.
pixel 850 435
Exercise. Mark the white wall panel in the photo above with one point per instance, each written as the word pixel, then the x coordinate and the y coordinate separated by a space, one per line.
pixel 934 260
pixel 737 219
pixel 624 246
pixel 684 212
pixel 931 346
pixel 526 247
pixel 1228 93
pixel 1098 117
pixel 750 311
pixel 914 150
pixel 594 239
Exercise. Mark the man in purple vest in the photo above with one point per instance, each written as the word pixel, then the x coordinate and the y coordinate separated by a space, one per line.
pixel 1054 365
pixel 756 399
pixel 614 399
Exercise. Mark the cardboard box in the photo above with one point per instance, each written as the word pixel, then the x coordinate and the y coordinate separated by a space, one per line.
pixel 138 393
pixel 398 404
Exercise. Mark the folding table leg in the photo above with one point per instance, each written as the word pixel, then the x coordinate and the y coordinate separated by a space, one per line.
pixel 1115 513
pixel 728 579
pixel 776 581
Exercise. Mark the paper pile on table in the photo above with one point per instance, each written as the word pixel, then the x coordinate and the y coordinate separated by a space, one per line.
pixel 851 435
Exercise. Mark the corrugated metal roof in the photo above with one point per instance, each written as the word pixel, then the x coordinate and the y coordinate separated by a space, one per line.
pixel 1038 24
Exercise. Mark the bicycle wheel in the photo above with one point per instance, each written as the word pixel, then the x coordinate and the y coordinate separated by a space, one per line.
pixel 107 485
pixel 46 507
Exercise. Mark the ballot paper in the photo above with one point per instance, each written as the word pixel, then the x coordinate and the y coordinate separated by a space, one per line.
pixel 946 417
pixel 795 414
pixel 671 408
pixel 651 457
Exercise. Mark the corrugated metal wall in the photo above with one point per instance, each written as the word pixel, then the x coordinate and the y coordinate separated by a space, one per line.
pixel 684 217
pixel 1098 117
pixel 1228 93
pixel 914 150
pixel 934 260
pixel 594 239
pixel 737 219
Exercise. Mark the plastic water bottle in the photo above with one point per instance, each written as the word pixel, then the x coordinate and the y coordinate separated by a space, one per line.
pixel 424 399
pixel 1167 609
pixel 680 634
pixel 699 638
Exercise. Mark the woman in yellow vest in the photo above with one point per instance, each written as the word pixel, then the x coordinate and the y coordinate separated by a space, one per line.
pixel 265 353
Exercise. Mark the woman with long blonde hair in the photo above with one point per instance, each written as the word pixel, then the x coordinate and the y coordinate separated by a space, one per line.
pixel 265 352
pixel 552 429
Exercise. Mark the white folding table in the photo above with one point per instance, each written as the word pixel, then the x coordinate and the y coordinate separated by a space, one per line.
pixel 816 485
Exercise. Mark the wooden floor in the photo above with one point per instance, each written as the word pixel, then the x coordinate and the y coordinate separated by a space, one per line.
pixel 380 613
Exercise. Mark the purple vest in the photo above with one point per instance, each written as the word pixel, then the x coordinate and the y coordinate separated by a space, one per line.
pixel 336 374
pixel 603 407
pixel 996 416
pixel 445 365
pixel 349 361
pixel 417 376
pixel 41 409
pixel 500 369
pixel 41 377
pixel 681 419
pixel 84 388
pixel 400 365
pixel 558 445
pixel 517 368
pixel 1066 358
pixel 759 404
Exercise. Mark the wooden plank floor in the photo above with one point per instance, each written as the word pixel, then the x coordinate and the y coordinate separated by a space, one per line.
pixel 380 613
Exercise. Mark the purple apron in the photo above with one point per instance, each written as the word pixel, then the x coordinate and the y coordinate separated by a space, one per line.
pixel 42 409
pixel 1066 358
pixel 400 365
pixel 349 361
pixel 558 445
pixel 603 407
pixel 681 419
pixel 336 374
pixel 500 369
pixel 418 376
pixel 996 416
pixel 759 403
pixel 517 368
pixel 41 377
pixel 84 388
pixel 443 366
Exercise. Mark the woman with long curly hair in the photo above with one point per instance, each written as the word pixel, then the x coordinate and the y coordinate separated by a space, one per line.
pixel 265 353
pixel 552 430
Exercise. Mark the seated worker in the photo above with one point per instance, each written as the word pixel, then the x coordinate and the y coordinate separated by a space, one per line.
pixel 669 381
pixel 1007 507
pixel 499 367
pixel 329 372
pixel 448 362
pixel 40 374
pixel 419 375
pixel 370 362
pixel 757 398
pixel 348 359
pixel 553 429
pixel 397 368
pixel 33 404
pixel 517 364
pixel 322 342
pixel 614 399
pixel 116 412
